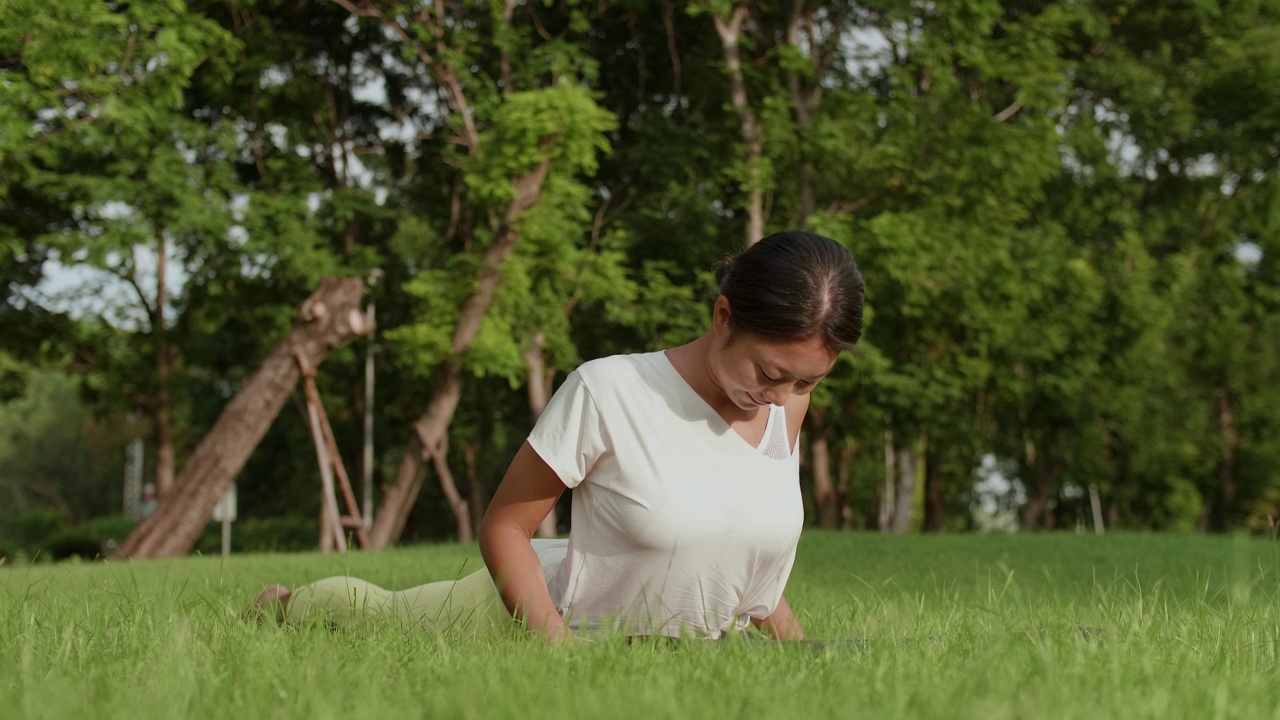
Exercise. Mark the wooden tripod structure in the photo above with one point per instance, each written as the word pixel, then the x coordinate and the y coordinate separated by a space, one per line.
pixel 330 317
pixel 333 524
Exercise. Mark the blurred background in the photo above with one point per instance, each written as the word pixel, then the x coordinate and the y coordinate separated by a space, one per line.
pixel 1067 214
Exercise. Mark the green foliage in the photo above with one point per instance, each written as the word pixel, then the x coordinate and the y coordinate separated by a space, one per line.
pixel 72 543
pixel 32 529
pixel 550 269
pixel 91 74
pixel 43 535
pixel 55 455
pixel 290 533
pixel 110 531
pixel 561 123
pixel 1066 213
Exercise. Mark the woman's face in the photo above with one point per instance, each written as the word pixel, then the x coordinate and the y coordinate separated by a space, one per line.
pixel 754 372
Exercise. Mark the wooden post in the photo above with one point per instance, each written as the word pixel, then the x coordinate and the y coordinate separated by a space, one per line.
pixel 329 318
pixel 330 525
pixel 333 523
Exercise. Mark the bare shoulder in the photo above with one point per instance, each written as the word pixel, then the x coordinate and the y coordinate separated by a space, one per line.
pixel 796 407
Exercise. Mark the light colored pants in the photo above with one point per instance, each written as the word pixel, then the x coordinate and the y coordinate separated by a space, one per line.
pixel 470 605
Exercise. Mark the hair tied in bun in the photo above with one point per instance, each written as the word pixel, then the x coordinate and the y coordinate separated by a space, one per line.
pixel 722 269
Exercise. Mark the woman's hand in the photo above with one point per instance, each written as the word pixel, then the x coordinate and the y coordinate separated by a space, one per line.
pixel 782 624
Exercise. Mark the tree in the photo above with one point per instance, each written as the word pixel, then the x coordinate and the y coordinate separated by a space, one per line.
pixel 56 454
pixel 329 317
pixel 505 164
pixel 954 136
pixel 119 174
pixel 1183 88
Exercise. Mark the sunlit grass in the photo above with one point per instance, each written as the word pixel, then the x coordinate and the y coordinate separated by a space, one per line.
pixel 1055 626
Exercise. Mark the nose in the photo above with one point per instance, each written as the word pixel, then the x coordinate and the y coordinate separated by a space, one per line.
pixel 778 395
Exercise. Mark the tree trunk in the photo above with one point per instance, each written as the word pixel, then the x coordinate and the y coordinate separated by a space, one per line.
pixel 329 318
pixel 1222 509
pixel 475 488
pixel 802 103
pixel 162 419
pixel 824 492
pixel 730 30
pixel 844 475
pixel 539 387
pixel 934 507
pixel 1033 512
pixel 430 431
pixel 885 517
pixel 161 412
pixel 460 507
pixel 326 529
pixel 905 492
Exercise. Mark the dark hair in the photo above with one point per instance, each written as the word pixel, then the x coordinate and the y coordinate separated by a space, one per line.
pixel 795 286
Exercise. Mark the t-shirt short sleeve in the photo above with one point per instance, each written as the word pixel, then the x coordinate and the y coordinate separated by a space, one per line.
pixel 570 435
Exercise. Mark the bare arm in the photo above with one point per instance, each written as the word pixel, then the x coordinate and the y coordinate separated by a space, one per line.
pixel 527 493
pixel 782 624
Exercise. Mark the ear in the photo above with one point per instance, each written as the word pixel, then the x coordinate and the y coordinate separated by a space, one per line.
pixel 721 314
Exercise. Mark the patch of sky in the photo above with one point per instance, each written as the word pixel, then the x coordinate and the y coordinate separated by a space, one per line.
pixel 257 265
pixel 277 135
pixel 996 494
pixel 158 62
pixel 238 206
pixel 188 153
pixel 430 107
pixel 238 235
pixel 370 87
pixel 721 209
pixel 274 77
pixel 867 51
pixel 1248 253
pixel 73 286
pixel 115 210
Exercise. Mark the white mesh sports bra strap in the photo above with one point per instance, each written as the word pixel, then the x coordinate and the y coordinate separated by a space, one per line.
pixel 777 445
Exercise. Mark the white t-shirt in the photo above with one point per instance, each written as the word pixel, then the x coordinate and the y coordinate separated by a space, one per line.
pixel 680 526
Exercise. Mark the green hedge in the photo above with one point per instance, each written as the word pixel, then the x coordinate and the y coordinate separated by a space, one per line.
pixel 288 533
pixel 42 535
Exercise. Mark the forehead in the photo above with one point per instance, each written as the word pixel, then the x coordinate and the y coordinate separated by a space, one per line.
pixel 799 358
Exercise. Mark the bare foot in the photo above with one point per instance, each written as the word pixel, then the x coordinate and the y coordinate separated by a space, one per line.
pixel 270 603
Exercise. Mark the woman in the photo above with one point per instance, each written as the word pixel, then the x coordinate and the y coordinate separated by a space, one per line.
pixel 687 508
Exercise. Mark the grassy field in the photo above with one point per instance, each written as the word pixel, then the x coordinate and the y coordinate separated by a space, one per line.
pixel 1053 626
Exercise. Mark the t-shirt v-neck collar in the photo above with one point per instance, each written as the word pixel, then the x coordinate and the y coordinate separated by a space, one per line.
pixel 773 410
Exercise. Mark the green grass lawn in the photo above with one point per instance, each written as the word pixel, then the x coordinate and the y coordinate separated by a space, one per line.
pixel 920 627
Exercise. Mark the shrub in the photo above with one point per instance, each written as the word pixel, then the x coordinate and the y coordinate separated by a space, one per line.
pixel 32 529
pixel 287 533
pixel 43 534
pixel 37 524
pixel 73 542
pixel 109 531
pixel 10 553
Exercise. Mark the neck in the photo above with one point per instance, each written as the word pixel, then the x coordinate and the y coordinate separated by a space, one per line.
pixel 693 362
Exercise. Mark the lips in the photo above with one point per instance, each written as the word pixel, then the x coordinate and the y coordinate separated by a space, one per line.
pixel 756 400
